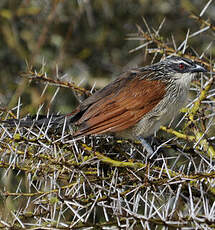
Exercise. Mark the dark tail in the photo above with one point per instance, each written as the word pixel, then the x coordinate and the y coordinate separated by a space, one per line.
pixel 52 121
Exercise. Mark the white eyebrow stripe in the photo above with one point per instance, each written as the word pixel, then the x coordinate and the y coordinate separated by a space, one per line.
pixel 182 61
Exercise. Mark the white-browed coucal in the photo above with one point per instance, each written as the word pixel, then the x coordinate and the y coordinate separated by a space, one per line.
pixel 134 105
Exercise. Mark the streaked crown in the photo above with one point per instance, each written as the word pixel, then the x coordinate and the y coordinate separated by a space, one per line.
pixel 175 64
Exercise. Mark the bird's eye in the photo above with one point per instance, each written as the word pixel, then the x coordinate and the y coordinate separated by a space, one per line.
pixel 181 66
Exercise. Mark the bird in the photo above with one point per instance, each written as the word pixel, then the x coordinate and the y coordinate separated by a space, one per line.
pixel 134 105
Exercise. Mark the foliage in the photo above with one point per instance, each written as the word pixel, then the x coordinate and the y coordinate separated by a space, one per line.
pixel 49 180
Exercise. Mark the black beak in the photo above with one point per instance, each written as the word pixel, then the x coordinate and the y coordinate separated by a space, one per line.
pixel 198 68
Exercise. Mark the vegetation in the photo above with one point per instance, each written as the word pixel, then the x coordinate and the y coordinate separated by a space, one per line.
pixel 49 180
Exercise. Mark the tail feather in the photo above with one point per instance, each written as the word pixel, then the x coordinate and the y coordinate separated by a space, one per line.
pixel 53 121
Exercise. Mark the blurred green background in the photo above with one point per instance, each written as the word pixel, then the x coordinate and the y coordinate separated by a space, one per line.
pixel 86 39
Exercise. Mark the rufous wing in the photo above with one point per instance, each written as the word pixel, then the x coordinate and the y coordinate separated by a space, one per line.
pixel 122 107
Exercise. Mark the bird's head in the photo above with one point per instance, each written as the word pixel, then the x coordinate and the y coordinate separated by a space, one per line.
pixel 181 65
pixel 175 68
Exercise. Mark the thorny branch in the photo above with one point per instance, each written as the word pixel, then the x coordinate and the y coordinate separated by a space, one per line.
pixel 99 182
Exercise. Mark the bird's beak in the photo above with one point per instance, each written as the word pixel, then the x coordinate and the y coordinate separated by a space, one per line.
pixel 198 68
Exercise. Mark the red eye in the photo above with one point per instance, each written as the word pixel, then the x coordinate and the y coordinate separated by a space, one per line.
pixel 181 66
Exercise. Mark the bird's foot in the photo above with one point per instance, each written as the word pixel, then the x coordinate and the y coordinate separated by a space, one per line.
pixel 147 146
